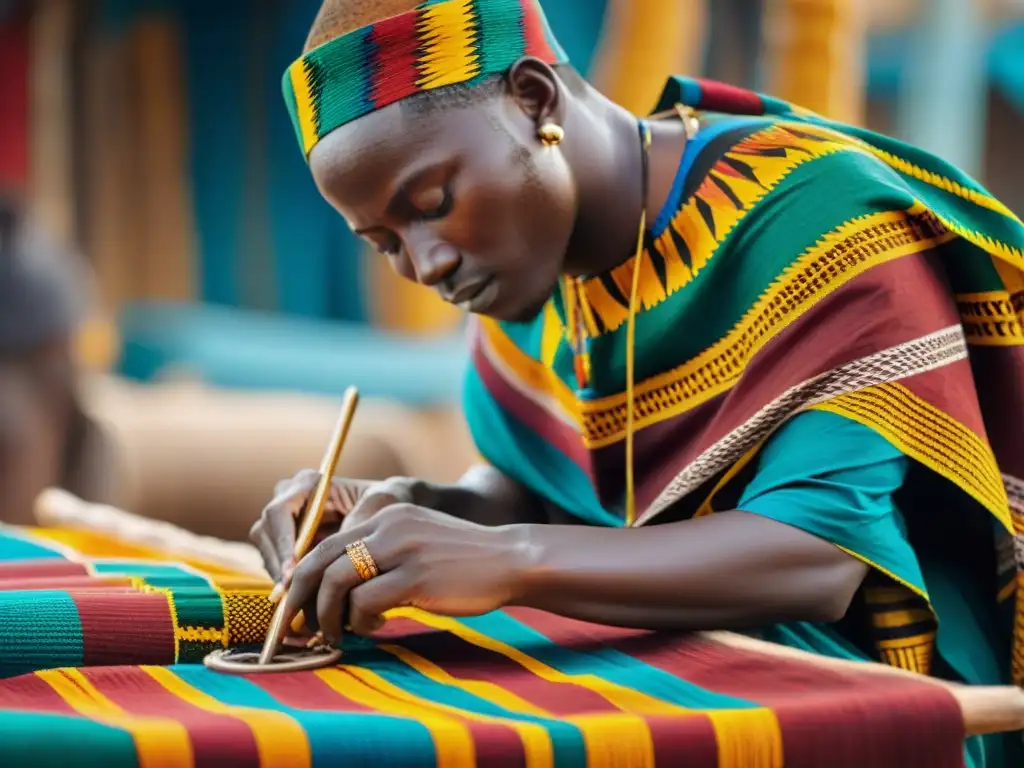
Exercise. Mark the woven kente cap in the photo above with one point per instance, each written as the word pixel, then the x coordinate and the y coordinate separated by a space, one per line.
pixel 362 56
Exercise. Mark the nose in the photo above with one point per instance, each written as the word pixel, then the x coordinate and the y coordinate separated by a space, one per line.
pixel 433 262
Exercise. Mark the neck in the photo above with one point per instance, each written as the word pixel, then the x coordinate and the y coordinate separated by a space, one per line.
pixel 608 172
pixel 609 177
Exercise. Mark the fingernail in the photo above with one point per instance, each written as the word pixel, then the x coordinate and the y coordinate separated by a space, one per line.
pixel 276 593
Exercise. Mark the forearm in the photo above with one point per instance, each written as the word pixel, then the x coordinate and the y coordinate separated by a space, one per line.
pixel 728 571
pixel 486 496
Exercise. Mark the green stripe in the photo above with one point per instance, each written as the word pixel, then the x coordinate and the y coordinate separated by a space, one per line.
pixel 501 34
pixel 21 547
pixel 157 574
pixel 521 453
pixel 607 663
pixel 57 741
pixel 40 630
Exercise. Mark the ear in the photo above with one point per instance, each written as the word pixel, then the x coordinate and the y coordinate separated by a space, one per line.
pixel 536 89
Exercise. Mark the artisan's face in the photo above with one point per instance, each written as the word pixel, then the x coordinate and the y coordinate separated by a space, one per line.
pixel 35 410
pixel 465 200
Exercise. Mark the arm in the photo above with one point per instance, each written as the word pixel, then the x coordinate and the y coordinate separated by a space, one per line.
pixel 727 571
pixel 486 496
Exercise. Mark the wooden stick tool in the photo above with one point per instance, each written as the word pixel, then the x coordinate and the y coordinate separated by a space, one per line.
pixel 313 517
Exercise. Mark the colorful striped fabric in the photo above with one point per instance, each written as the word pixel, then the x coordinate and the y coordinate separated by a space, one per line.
pixel 515 688
pixel 439 43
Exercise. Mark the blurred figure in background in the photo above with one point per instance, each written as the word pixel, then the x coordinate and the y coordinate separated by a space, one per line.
pixel 45 437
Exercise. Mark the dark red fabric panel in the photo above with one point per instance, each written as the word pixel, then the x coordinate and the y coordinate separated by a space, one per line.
pixel 124 628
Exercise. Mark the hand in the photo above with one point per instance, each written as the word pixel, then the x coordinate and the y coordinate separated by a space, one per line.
pixel 426 559
pixel 354 500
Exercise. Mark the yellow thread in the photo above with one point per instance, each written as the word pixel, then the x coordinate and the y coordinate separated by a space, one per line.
pixel 280 740
pixel 304 104
pixel 159 742
pixel 747 738
pixel 447 37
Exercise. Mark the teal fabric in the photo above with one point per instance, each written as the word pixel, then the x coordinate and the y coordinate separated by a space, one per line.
pixel 836 479
pixel 233 348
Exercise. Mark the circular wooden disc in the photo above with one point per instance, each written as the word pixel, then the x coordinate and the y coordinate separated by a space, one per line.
pixel 247 662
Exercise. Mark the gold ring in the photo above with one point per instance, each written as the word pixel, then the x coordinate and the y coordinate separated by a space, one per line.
pixel 362 560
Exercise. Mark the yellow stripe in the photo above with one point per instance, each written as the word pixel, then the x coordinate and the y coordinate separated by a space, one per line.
pixel 159 742
pixel 551 336
pixel 727 724
pixel 447 35
pixel 484 690
pixel 304 104
pixel 989 319
pixel 900 618
pixel 280 740
pixel 453 742
pixel 978 473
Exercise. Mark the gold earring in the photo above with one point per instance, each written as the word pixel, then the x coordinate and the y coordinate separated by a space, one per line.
pixel 550 134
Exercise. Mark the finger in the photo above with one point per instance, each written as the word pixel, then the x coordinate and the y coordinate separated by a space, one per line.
pixel 339 579
pixel 367 507
pixel 368 601
pixel 309 573
pixel 271 559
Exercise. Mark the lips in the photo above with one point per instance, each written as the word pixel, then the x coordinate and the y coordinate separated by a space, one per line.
pixel 467 293
pixel 476 297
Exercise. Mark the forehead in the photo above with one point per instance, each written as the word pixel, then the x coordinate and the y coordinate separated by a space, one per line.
pixel 395 141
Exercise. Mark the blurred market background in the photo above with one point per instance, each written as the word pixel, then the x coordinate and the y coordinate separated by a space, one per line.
pixel 230 305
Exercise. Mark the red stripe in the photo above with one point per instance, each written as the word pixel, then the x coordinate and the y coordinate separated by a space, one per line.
pixel 125 629
pixel 721 97
pixel 305 691
pixel 827 717
pixel 551 430
pixel 466 661
pixel 38 569
pixel 398 48
pixel 28 693
pixel 533 33
pixel 217 740
pixel 78 583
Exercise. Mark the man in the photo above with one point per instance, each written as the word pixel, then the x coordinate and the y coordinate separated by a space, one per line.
pixel 795 410
pixel 46 440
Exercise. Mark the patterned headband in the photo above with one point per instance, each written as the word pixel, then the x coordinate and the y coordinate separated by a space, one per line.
pixel 438 43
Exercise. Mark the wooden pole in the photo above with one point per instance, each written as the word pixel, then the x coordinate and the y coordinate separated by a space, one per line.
pixel 815 55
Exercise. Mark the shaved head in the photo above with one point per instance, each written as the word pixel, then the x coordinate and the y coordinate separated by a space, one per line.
pixel 339 17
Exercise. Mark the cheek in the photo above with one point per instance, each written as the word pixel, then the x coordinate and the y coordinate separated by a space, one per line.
pixel 515 212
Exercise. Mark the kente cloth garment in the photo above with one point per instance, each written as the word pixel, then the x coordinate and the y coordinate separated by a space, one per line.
pixel 799 267
pixel 94 643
